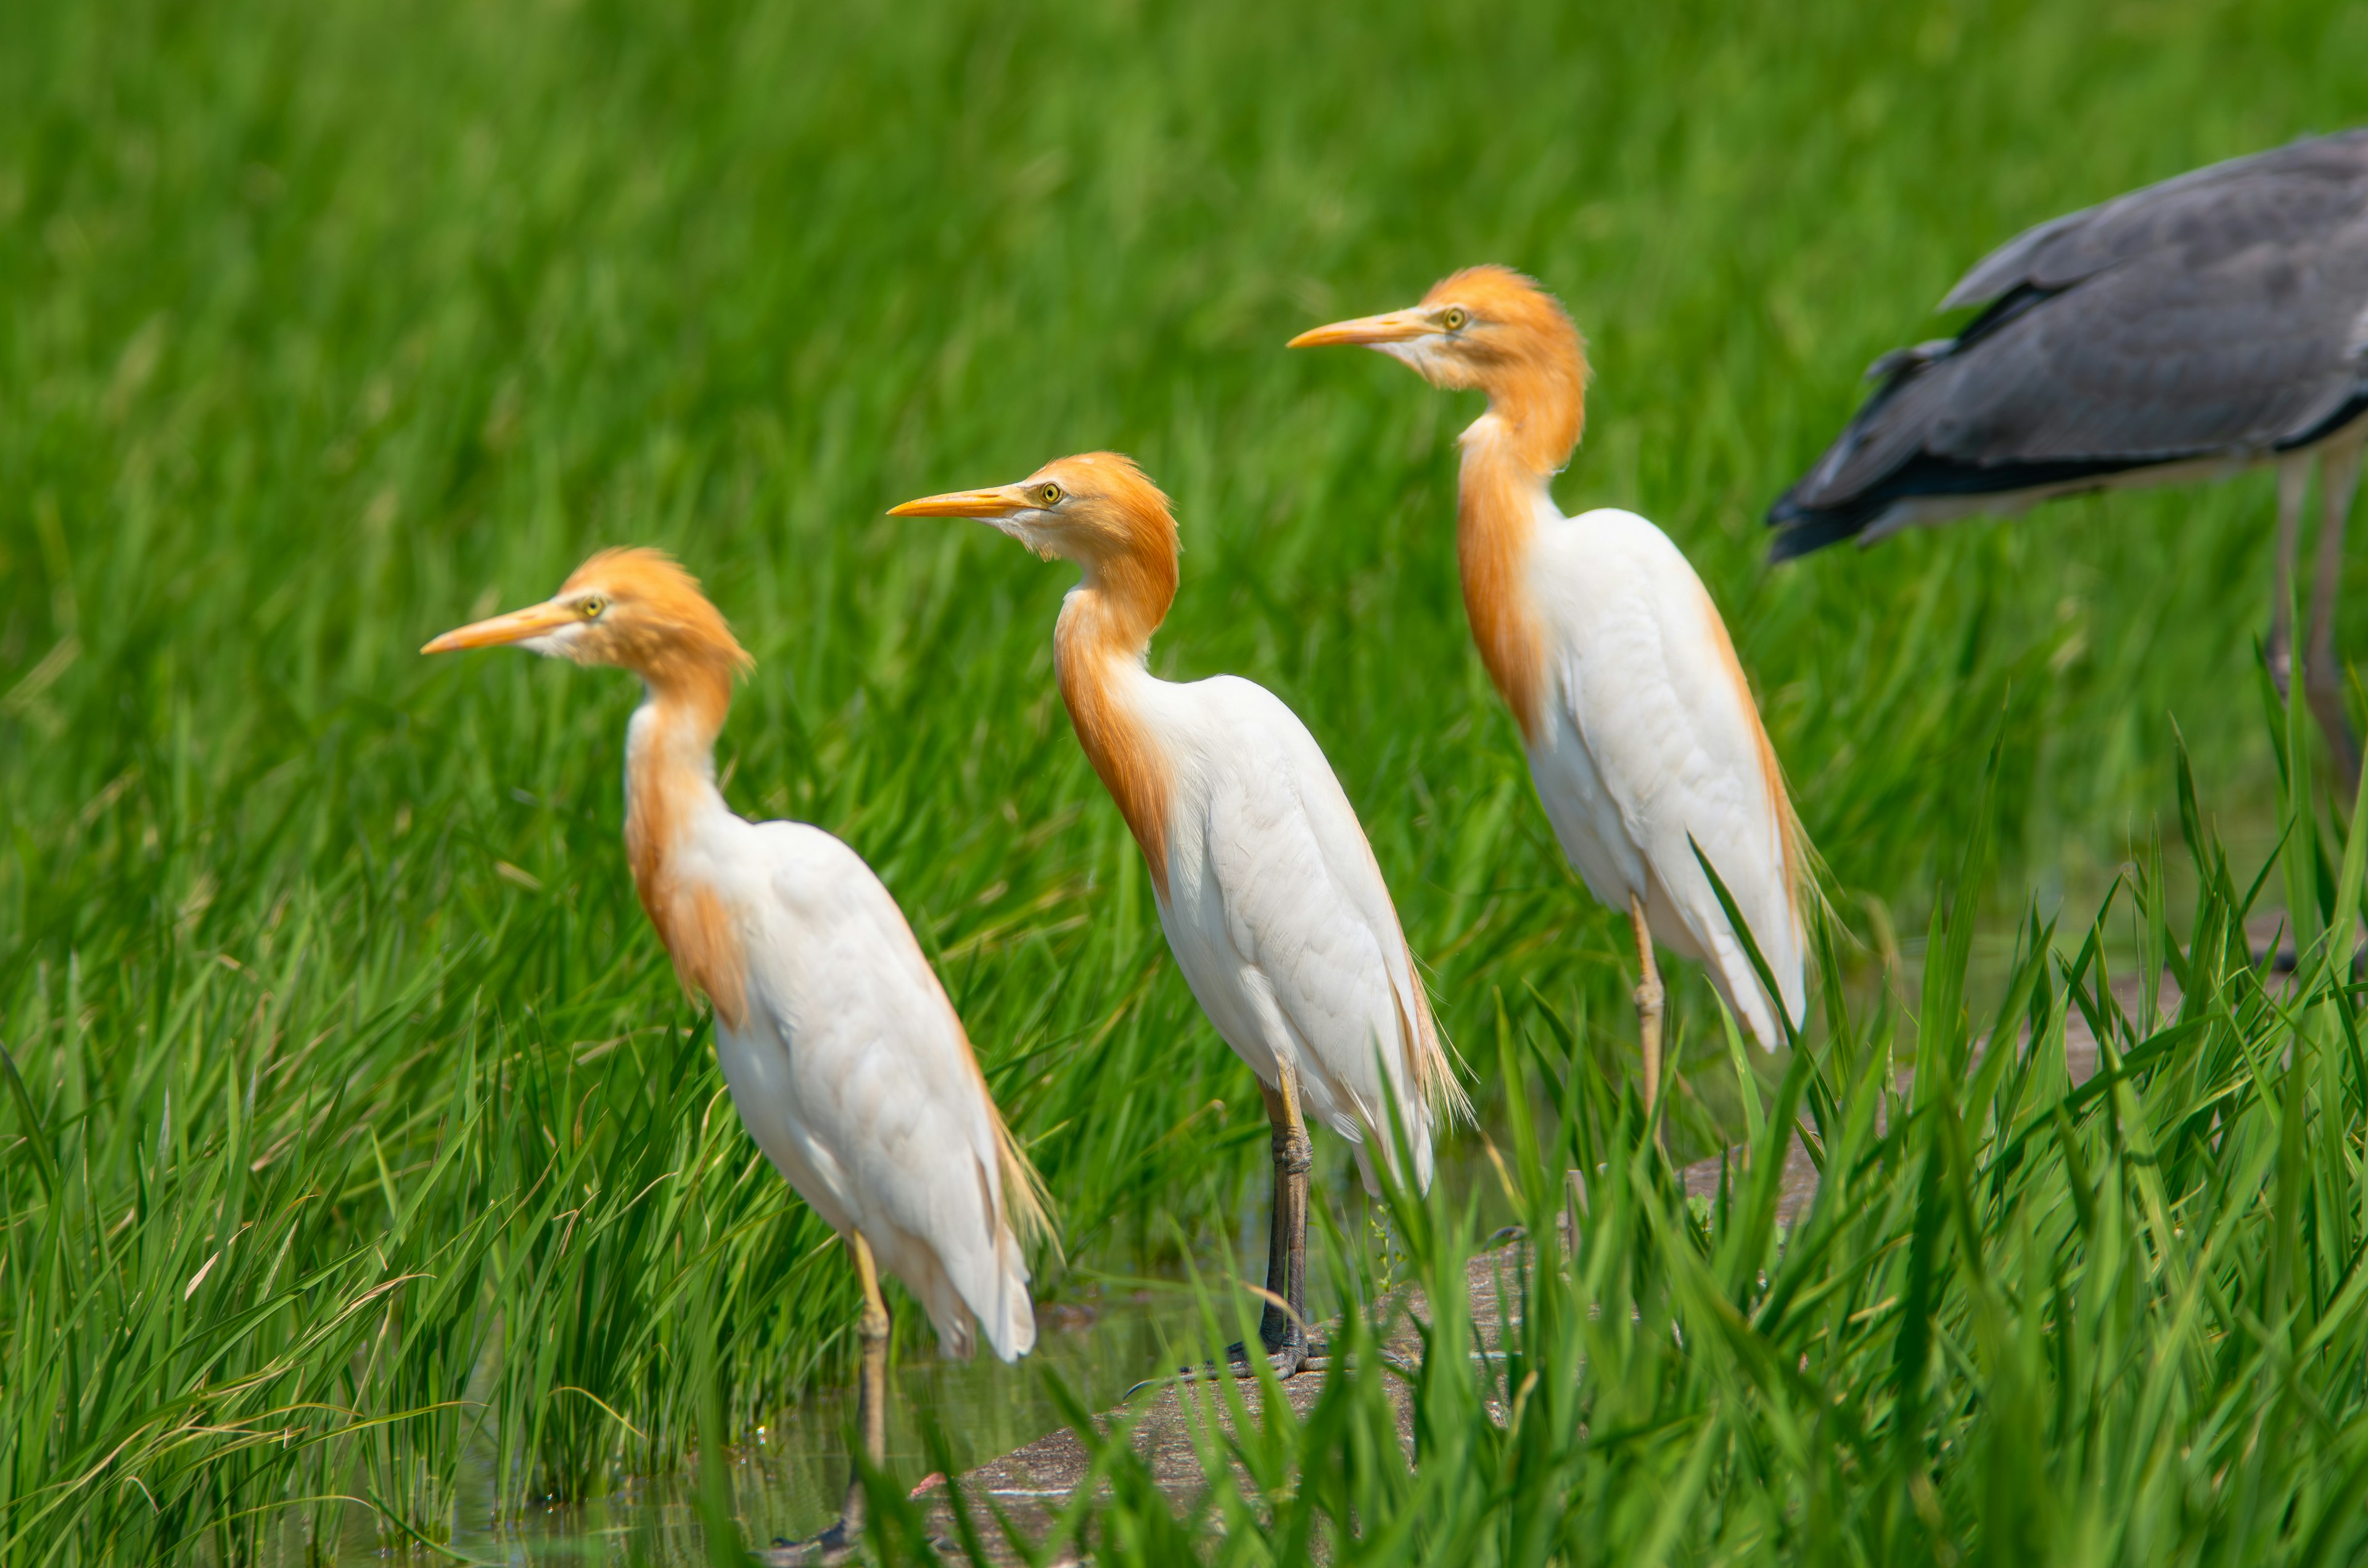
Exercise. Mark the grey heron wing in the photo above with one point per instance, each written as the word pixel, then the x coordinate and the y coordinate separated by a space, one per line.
pixel 2009 266
pixel 2160 359
pixel 2303 189
pixel 2151 362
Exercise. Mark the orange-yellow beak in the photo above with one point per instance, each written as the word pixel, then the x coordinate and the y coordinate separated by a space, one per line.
pixel 1000 502
pixel 535 620
pixel 1397 327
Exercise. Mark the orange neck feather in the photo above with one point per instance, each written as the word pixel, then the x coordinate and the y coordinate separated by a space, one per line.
pixel 1106 624
pixel 1495 524
pixel 1537 407
pixel 670 777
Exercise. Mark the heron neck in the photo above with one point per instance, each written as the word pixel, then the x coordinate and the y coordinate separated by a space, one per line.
pixel 1098 654
pixel 669 790
pixel 1499 497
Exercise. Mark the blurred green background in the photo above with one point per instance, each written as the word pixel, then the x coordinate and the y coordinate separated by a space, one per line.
pixel 328 327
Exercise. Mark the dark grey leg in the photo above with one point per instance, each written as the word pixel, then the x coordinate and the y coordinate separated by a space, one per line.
pixel 2294 479
pixel 1282 1326
pixel 2322 678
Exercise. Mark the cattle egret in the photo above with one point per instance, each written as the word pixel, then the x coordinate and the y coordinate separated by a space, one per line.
pixel 848 1064
pixel 1270 897
pixel 1642 734
pixel 2184 330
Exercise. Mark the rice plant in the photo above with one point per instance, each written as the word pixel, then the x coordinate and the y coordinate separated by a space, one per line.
pixel 2027 1319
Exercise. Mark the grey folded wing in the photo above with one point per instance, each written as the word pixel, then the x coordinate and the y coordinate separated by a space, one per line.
pixel 2222 312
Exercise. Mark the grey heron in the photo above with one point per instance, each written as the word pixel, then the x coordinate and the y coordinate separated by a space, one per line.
pixel 2184 330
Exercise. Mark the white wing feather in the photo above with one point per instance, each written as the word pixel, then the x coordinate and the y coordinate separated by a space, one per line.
pixel 852 1073
pixel 1279 916
pixel 1650 741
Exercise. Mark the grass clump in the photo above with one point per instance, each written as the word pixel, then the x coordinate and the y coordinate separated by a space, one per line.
pixel 2031 1316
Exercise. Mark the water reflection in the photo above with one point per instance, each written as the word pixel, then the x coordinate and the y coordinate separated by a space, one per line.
pixel 787 1480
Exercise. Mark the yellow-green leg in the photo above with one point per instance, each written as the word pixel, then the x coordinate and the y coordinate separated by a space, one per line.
pixel 1649 997
pixel 839 1542
pixel 1284 1332
pixel 871 1391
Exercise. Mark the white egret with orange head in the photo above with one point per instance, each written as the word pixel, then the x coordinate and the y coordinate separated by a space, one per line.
pixel 1643 737
pixel 1270 895
pixel 845 1059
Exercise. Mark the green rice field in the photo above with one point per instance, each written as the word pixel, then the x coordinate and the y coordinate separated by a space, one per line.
pixel 366 1177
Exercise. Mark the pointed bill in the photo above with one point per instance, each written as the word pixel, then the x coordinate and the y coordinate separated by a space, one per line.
pixel 983 504
pixel 1394 327
pixel 517 626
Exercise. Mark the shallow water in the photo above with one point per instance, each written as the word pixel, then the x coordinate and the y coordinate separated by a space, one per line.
pixel 789 1479
pixel 1101 1339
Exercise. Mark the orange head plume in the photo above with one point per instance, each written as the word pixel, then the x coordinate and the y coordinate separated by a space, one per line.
pixel 636 608
pixel 1097 508
pixel 1490 328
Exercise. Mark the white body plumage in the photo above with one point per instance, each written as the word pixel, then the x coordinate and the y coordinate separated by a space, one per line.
pixel 1277 912
pixel 1650 744
pixel 850 1069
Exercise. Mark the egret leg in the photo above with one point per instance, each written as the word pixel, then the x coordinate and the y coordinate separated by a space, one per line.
pixel 2294 479
pixel 839 1543
pixel 1282 1326
pixel 1284 1332
pixel 1278 1227
pixel 2322 680
pixel 872 1393
pixel 1649 997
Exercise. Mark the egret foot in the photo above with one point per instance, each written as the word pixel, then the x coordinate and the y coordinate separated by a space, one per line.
pixel 837 1544
pixel 1282 1327
pixel 1297 1355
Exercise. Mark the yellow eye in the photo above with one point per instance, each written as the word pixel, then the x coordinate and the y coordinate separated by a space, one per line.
pixel 1049 494
pixel 592 607
pixel 1455 318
